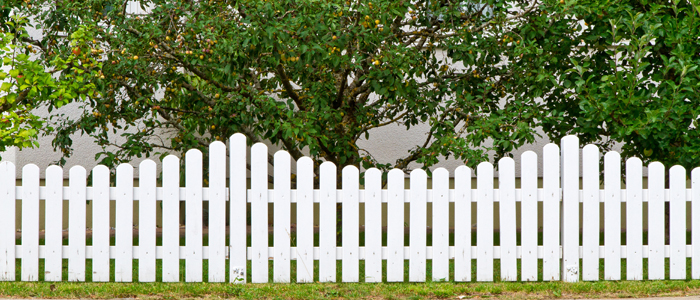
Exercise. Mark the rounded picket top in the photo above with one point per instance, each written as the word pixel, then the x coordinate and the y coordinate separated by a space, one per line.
pixel 30 170
pixel 528 155
pixel 551 147
pixel 463 168
pixel 327 172
pixel 612 157
pixel 570 139
pixel 373 173
pixel 147 164
pixel 258 148
pixel 462 172
pixel 591 149
pixel 305 160
pixel 193 154
pixel 656 166
pixel 396 172
pixel 441 179
pixel 351 170
pixel 506 162
pixel 237 138
pixel 677 168
pixel 441 172
pixel 677 172
pixel 96 169
pixel 124 168
pixel 418 174
pixel 373 180
pixel 305 167
pixel 282 156
pixel 7 181
pixel 695 175
pixel 78 172
pixel 328 166
pixel 5 165
pixel 634 161
pixel 396 178
pixel 484 169
pixel 171 160
pixel 218 144
pixel 217 154
pixel 52 170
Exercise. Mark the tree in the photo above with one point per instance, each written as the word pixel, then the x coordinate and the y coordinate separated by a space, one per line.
pixel 317 76
pixel 18 126
pixel 27 83
pixel 635 81
pixel 313 76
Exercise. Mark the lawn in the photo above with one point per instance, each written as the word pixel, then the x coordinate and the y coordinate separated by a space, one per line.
pixel 515 290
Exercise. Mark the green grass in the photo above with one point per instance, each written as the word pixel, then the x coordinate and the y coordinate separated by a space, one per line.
pixel 429 289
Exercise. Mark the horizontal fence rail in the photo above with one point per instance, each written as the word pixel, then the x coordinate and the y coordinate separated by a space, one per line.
pixel 89 195
pixel 239 231
pixel 362 253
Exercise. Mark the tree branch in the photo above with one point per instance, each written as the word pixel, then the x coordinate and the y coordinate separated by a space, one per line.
pixel 185 64
pixel 289 88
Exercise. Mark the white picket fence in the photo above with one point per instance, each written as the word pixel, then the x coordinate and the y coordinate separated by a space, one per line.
pixel 561 196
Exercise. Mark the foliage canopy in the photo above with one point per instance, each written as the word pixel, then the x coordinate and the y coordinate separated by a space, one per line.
pixel 318 76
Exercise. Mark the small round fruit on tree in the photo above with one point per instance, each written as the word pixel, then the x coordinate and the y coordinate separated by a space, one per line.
pixel 76 51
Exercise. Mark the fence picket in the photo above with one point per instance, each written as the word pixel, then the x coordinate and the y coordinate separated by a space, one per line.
pixel 506 185
pixel 395 226
pixel 171 219
pixel 418 226
pixel 305 220
pixel 351 224
pixel 7 221
pixel 53 234
pixel 193 216
pixel 441 225
pixel 217 213
pixel 147 221
pixel 551 213
pixel 258 212
pixel 484 222
pixel 695 226
pixel 327 224
pixel 30 223
pixel 677 224
pixel 373 225
pixel 635 270
pixel 560 250
pixel 591 213
pixel 528 216
pixel 124 224
pixel 463 224
pixel 570 203
pixel 100 224
pixel 656 221
pixel 238 209
pixel 612 216
pixel 76 224
pixel 281 231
